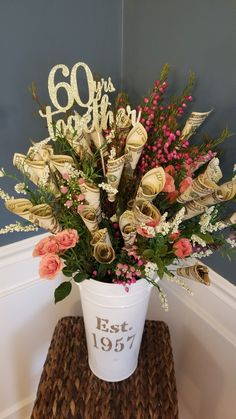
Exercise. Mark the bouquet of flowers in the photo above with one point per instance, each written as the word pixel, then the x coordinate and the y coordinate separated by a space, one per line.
pixel 125 194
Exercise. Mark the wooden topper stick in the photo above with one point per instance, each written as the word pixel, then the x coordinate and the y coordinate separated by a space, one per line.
pixel 101 154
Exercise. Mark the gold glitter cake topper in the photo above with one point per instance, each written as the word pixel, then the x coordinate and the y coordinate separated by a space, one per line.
pixel 97 115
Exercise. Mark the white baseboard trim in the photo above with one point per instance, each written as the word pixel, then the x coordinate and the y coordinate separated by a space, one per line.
pixel 204 314
pixel 20 409
pixel 19 250
pixel 26 305
pixel 14 256
pixel 19 287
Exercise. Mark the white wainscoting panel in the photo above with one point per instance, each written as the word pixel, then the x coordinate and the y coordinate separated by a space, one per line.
pixel 203 334
pixel 28 317
pixel 202 327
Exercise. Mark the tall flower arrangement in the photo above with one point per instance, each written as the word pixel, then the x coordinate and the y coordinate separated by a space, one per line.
pixel 134 199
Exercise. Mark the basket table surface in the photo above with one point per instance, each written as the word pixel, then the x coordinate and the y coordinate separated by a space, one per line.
pixel 69 390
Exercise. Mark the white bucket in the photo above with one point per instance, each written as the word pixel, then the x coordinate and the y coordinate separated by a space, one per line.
pixel 114 321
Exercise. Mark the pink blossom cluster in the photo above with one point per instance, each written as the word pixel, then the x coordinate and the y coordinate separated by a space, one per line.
pixel 161 123
pixel 126 274
pixel 150 106
pixel 71 190
pixel 49 249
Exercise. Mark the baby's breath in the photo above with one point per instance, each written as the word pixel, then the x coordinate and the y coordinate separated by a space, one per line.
pixel 18 227
pixel 108 188
pixel 21 188
pixel 177 220
pixel 231 242
pixel 198 240
pixel 163 299
pixel 44 177
pixel 164 226
pixel 202 253
pixel 4 195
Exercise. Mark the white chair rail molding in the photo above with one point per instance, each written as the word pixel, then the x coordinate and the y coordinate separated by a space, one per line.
pixel 202 327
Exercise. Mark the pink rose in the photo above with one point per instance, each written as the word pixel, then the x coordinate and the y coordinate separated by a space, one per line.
pixel 144 232
pixel 172 196
pixel 45 246
pixel 67 239
pixel 153 223
pixel 169 184
pixel 182 248
pixel 190 168
pixel 170 170
pixel 50 266
pixel 174 236
pixel 185 184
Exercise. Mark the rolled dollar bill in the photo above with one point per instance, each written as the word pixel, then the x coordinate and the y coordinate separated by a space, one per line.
pixel 204 184
pixel 79 143
pixel 123 124
pixel 92 196
pixel 193 123
pixel 122 119
pixel 88 215
pixel 152 184
pixel 40 153
pixel 114 172
pixel 215 161
pixel 20 207
pixel 43 216
pixel 213 171
pixel 36 171
pixel 193 208
pixel 200 187
pixel 97 138
pixel 145 212
pixel 33 169
pixel 102 236
pixel 197 272
pixel 104 253
pixel 135 142
pixel 127 228
pixel 223 193
pixel 58 162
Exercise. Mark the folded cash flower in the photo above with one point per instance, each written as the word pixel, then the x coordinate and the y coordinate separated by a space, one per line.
pixel 124 193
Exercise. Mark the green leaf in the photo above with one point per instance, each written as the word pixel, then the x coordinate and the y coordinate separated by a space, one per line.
pixel 206 237
pixel 67 272
pixel 102 270
pixel 80 276
pixel 148 253
pixel 160 265
pixel 169 260
pixel 62 291
pixel 163 250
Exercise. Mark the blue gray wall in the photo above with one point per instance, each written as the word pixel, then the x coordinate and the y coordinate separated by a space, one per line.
pixel 189 35
pixel 35 36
